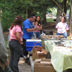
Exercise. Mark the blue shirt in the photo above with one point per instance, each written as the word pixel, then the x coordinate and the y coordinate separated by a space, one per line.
pixel 27 25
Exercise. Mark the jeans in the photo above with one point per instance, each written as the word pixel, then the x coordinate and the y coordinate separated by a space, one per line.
pixel 64 34
pixel 34 35
pixel 25 52
pixel 16 50
pixel 37 34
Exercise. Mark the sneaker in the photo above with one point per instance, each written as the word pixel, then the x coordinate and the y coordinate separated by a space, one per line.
pixel 25 57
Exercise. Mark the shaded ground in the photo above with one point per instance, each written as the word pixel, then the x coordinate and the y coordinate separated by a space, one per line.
pixel 24 67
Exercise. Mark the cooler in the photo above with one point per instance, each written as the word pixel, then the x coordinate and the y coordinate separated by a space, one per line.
pixel 30 43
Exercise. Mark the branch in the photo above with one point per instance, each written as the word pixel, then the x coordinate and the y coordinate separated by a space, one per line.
pixel 61 10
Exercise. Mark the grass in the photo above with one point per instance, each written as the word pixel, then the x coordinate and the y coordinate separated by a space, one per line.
pixel 50 20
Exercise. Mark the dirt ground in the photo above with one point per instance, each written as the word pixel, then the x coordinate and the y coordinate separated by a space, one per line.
pixel 24 67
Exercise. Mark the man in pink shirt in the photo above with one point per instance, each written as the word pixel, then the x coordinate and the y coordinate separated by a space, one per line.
pixel 62 28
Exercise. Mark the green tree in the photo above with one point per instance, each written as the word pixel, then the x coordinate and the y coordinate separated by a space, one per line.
pixel 11 8
pixel 62 6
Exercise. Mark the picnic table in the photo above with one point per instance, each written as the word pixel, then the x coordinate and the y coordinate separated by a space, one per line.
pixel 61 57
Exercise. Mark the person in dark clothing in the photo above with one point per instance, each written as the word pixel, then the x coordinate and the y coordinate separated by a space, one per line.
pixel 28 29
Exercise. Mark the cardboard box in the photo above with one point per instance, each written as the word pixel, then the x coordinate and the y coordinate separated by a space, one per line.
pixel 44 69
pixel 43 62
pixel 43 65
pixel 39 54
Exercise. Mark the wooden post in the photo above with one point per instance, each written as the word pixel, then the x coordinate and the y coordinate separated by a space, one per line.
pixel 71 18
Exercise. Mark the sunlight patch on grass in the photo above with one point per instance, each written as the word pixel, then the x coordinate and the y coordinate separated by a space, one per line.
pixel 50 20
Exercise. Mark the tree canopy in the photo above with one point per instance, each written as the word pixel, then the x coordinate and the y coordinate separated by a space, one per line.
pixel 11 8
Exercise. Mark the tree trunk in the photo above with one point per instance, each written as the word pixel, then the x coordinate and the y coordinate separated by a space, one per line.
pixel 44 15
pixel 71 19
pixel 30 11
pixel 59 13
pixel 65 6
pixel 26 12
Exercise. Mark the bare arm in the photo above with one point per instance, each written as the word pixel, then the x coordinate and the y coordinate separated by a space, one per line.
pixel 32 29
pixel 18 38
pixel 41 27
pixel 56 29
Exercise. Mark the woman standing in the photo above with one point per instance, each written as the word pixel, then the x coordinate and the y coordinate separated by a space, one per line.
pixel 62 28
pixel 15 43
pixel 37 23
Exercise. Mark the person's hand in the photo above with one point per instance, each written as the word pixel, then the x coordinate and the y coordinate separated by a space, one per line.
pixel 21 43
pixel 7 63
pixel 37 28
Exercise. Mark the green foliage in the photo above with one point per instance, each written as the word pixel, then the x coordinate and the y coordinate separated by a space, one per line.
pixel 50 20
pixel 52 10
pixel 11 8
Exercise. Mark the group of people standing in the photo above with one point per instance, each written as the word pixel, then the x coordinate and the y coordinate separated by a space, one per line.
pixel 21 31
pixel 18 36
